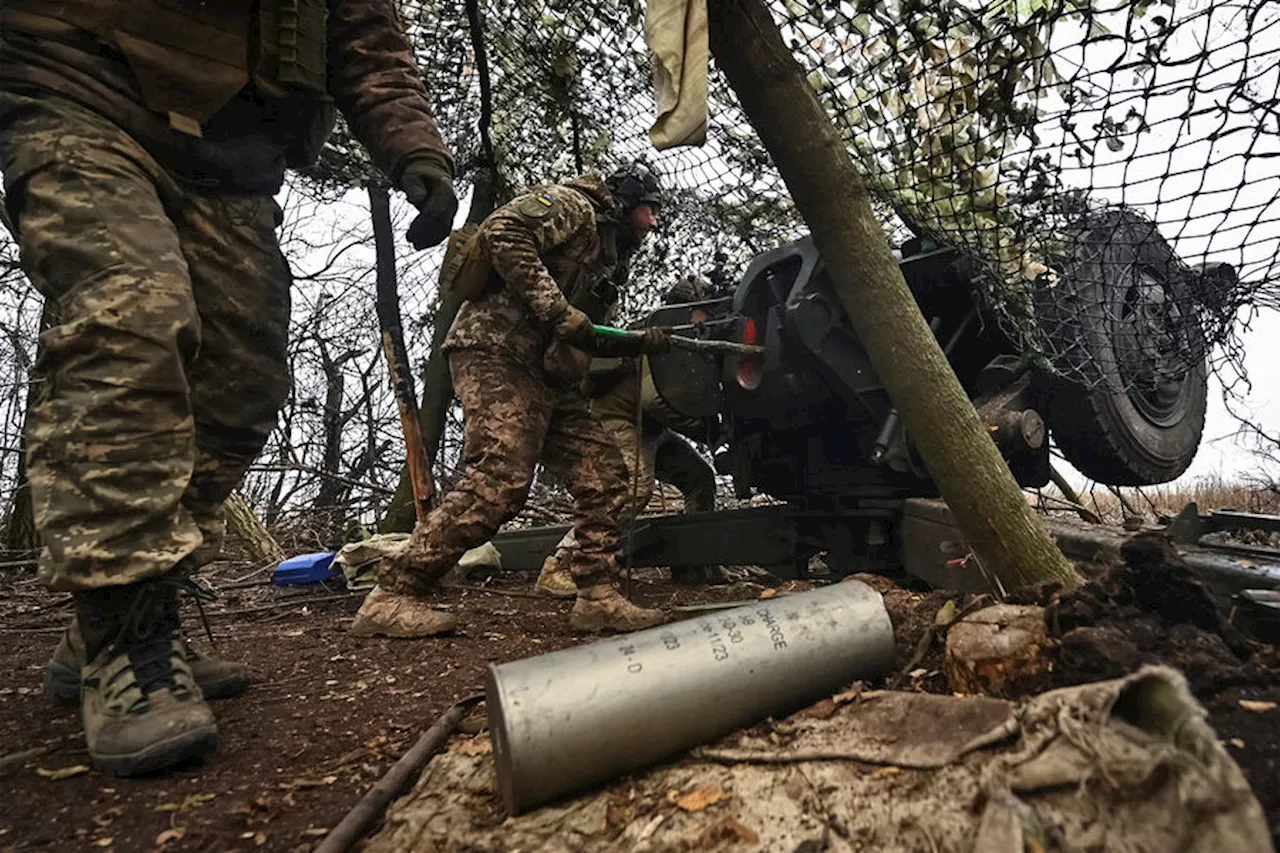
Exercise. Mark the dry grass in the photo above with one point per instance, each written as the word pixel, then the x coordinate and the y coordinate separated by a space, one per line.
pixel 1209 493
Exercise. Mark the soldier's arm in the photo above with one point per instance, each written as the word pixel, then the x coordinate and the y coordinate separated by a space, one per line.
pixel 516 235
pixel 373 79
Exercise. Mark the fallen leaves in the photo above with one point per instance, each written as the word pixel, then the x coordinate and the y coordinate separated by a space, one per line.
pixel 302 783
pixel 730 829
pixel 1257 706
pixel 108 817
pixel 191 801
pixel 170 835
pixel 62 772
pixel 697 799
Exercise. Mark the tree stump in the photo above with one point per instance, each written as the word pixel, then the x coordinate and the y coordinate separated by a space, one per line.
pixel 997 651
pixel 244 524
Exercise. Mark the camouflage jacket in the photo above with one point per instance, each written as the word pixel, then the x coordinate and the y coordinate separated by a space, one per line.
pixel 245 145
pixel 549 249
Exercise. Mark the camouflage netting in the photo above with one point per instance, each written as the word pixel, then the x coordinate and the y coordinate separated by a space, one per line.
pixel 1044 138
pixel 1016 131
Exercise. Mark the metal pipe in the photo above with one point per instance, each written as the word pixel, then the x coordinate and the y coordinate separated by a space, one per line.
pixel 565 720
pixel 397 780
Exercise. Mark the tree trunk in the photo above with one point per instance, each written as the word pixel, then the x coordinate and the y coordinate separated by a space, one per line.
pixel 331 430
pixel 418 460
pixel 437 383
pixel 243 523
pixel 1006 535
pixel 20 534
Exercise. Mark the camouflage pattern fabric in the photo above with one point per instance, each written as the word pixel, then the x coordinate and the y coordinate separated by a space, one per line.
pixel 543 245
pixel 165 364
pixel 513 417
pixel 371 78
pixel 664 457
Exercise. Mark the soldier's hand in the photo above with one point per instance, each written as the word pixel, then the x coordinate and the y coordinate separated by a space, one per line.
pixel 657 339
pixel 430 189
pixel 574 327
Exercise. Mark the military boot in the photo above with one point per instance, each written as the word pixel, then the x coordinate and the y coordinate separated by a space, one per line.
pixel 217 679
pixel 554 581
pixel 141 707
pixel 391 614
pixel 602 608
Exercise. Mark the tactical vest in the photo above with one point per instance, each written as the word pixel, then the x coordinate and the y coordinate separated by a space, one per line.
pixel 192 57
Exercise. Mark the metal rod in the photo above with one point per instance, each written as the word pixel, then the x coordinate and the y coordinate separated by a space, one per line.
pixel 397 780
pixel 682 342
pixel 1072 496
pixel 565 720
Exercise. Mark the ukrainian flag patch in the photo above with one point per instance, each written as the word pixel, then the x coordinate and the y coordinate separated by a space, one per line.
pixel 537 205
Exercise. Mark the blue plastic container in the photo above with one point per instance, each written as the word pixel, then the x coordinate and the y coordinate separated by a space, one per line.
pixel 304 568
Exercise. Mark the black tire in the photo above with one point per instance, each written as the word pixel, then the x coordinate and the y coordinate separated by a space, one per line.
pixel 1128 405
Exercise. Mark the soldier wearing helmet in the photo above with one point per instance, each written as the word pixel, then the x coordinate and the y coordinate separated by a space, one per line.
pixel 519 350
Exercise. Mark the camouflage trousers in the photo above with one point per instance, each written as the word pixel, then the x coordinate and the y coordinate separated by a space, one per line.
pixel 163 364
pixel 514 418
pixel 663 456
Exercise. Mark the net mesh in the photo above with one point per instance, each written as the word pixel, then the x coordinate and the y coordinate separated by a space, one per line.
pixel 1087 157
pixel 1090 156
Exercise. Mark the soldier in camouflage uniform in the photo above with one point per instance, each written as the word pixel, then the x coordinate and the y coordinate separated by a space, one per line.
pixel 141 143
pixel 519 354
pixel 652 450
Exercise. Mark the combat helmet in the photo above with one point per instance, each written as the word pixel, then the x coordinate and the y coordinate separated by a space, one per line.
pixel 635 184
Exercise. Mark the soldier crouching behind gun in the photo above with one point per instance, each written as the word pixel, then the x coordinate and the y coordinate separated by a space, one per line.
pixel 519 351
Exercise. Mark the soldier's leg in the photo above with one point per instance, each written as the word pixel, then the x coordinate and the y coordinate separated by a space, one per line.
pixel 584 457
pixel 678 463
pixel 240 376
pixel 556 578
pixel 638 452
pixel 111 439
pixel 506 410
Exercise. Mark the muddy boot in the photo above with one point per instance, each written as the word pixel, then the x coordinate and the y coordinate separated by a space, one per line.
pixel 555 581
pixel 217 679
pixel 602 608
pixel 390 614
pixel 141 707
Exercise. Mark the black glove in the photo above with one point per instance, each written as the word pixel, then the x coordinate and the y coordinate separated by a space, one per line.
pixel 430 189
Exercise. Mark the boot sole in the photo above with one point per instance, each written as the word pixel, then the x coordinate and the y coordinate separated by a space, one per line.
pixel 63 684
pixel 595 627
pixel 395 634
pixel 178 749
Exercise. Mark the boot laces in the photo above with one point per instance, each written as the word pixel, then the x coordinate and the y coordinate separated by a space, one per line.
pixel 149 628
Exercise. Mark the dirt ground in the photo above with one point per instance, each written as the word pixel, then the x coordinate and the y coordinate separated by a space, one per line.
pixel 326 717
pixel 329 712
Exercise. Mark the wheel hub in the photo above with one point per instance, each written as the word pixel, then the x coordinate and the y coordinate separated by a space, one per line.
pixel 1152 347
